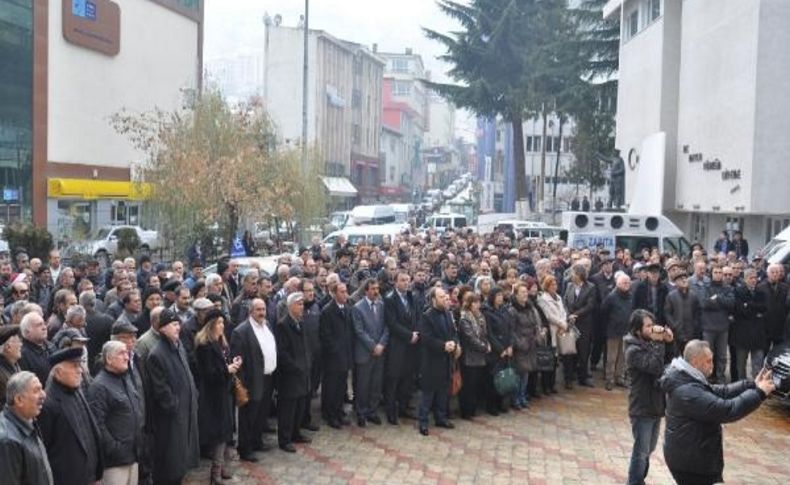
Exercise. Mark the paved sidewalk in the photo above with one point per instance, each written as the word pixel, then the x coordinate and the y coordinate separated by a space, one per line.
pixel 575 437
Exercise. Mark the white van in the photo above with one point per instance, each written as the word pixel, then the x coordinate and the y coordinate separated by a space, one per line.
pixel 363 215
pixel 612 230
pixel 443 222
pixel 529 229
pixel 359 234
pixel 403 212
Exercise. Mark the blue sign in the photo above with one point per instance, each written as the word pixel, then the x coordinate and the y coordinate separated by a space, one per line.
pixel 10 195
pixel 84 8
pixel 237 251
pixel 582 241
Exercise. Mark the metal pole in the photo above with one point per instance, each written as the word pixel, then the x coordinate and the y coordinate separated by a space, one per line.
pixel 304 86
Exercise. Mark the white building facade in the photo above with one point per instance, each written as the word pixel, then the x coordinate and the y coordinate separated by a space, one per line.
pixel 710 76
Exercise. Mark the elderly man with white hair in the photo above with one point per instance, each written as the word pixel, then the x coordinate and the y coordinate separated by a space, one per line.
pixel 118 410
pixel 36 349
pixel 774 292
pixel 616 310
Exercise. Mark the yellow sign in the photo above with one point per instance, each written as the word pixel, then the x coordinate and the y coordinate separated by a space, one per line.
pixel 87 189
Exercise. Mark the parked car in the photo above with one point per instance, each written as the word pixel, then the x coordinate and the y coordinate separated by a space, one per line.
pixel 267 264
pixel 104 243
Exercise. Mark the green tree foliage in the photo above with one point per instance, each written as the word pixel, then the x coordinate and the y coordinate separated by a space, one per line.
pixel 36 241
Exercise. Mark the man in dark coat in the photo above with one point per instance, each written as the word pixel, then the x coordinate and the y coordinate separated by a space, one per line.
pixel 401 317
pixel 371 337
pixel 693 447
pixel 748 330
pixel 644 355
pixel 717 305
pixel 775 293
pixel 604 282
pixel 36 349
pixel 651 295
pixel 580 303
pixel 683 312
pixel 293 376
pixel 171 403
pixel 310 324
pixel 254 341
pixel 616 310
pixel 336 346
pixel 440 346
pixel 68 428
pixel 118 410
pixel 98 326
pixel 23 459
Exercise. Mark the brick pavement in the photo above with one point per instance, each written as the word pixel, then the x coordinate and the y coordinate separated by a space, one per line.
pixel 575 437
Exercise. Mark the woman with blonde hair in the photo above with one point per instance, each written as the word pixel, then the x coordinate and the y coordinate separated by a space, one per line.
pixel 215 384
pixel 551 303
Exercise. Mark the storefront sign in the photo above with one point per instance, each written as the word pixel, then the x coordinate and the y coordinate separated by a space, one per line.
pixel 93 24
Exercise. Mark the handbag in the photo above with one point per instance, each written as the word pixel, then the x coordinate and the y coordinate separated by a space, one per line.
pixel 456 382
pixel 545 359
pixel 566 341
pixel 240 392
pixel 505 380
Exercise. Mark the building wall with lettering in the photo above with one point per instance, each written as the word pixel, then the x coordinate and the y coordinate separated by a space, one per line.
pixel 716 128
pixel 156 66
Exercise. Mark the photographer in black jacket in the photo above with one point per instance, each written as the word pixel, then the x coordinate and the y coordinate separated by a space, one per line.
pixel 696 410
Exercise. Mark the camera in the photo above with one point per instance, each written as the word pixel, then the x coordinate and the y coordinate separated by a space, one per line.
pixel 778 362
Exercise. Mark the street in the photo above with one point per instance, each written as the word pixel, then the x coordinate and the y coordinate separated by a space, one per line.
pixel 577 437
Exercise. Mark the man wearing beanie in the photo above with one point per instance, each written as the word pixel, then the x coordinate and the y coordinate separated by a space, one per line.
pixel 171 404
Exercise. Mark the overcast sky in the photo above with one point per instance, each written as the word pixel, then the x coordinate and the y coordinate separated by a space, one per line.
pixel 236 27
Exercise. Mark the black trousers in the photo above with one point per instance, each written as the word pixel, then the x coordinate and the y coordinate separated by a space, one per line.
pixel 252 420
pixel 598 350
pixel 472 389
pixel 583 347
pixel 686 478
pixel 399 384
pixel 289 415
pixel 333 394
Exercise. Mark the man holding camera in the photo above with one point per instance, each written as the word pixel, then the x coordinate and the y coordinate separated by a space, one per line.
pixel 644 357
pixel 696 409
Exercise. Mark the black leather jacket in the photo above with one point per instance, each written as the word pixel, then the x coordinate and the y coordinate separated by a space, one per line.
pixel 21 457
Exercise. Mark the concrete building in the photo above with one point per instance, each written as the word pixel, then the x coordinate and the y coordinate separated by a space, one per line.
pixel 702 99
pixel 406 112
pixel 344 105
pixel 239 77
pixel 441 126
pixel 68 66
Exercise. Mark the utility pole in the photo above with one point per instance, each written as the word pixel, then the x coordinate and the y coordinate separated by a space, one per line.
pixel 304 87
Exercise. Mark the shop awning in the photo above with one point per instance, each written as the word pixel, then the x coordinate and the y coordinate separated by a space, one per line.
pixel 339 187
pixel 87 189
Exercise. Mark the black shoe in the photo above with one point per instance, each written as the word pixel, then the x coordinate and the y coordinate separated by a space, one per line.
pixel 569 386
pixel 467 417
pixel 587 383
pixel 408 414
pixel 424 430
pixel 310 427
pixel 553 390
pixel 248 457
pixel 374 419
pixel 345 421
pixel 302 439
pixel 334 423
pixel 609 386
pixel 361 422
pixel 288 447
pixel 392 420
pixel 446 425
pixel 493 412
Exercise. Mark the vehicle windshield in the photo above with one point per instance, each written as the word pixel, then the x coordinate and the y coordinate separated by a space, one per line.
pixel 773 247
pixel 636 244
pixel 677 245
pixel 778 253
pixel 103 233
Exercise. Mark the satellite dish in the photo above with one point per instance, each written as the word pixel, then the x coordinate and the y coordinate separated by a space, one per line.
pixel 278 19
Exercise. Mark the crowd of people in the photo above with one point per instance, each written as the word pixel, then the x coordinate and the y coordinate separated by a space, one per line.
pixel 131 373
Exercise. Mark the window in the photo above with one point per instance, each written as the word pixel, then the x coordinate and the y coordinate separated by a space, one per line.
pixel 400 65
pixel 653 9
pixel 566 144
pixel 401 88
pixel 529 144
pixel 392 174
pixel 633 24
pixel 549 144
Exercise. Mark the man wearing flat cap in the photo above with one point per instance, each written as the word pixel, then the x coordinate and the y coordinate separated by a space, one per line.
pixel 190 328
pixel 171 404
pixel 683 311
pixel 68 428
pixel 651 295
pixel 10 353
pixel 293 370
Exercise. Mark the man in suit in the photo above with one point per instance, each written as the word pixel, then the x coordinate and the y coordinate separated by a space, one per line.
pixel 774 292
pixel 334 331
pixel 255 343
pixel 68 428
pixel 580 303
pixel 440 347
pixel 400 316
pixel 293 376
pixel 371 337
